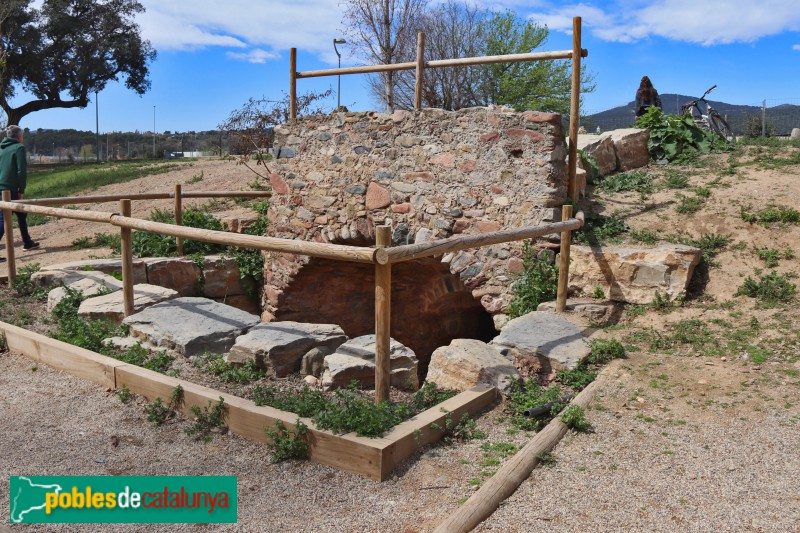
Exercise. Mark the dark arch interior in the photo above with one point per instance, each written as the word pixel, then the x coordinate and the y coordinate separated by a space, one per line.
pixel 430 306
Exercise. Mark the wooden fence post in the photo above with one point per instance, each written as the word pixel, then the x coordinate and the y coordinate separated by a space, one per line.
pixel 8 224
pixel 179 216
pixel 420 71
pixel 575 107
pixel 383 311
pixel 293 83
pixel 127 261
pixel 563 267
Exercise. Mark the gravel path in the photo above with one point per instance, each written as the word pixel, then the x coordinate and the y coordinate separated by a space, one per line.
pixel 647 467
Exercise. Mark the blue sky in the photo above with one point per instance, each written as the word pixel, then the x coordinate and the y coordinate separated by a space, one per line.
pixel 213 56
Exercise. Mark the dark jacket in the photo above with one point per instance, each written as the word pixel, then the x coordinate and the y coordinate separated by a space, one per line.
pixel 13 166
pixel 642 104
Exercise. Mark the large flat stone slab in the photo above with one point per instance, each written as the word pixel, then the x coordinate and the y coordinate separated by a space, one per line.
pixel 355 361
pixel 542 343
pixel 106 266
pixel 633 275
pixel 111 306
pixel 468 362
pixel 282 345
pixel 91 284
pixel 191 326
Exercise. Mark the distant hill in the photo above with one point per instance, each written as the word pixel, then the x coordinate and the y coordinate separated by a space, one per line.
pixel 783 117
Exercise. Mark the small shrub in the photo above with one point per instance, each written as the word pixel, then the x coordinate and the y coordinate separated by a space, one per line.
pixel 605 350
pixel 577 378
pixel 464 430
pixel 688 204
pixel 634 180
pixel 74 330
pixel 124 394
pixel 538 283
pixel 645 236
pixel 527 395
pixel 676 180
pixel 99 240
pixel 208 419
pixel 158 412
pixel 771 289
pixel 234 373
pixel 286 445
pixel 429 395
pixel 25 287
pixel 574 417
pixel 600 229
pixel 352 410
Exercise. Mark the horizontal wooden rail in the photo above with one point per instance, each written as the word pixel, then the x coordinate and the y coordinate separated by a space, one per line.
pixel 100 198
pixel 353 254
pixel 442 246
pixel 439 63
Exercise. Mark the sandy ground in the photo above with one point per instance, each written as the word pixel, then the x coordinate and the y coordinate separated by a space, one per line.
pixel 680 442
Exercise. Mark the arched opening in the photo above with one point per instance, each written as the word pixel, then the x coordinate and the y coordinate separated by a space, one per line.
pixel 430 306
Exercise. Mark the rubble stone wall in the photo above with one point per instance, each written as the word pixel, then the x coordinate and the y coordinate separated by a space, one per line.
pixel 430 174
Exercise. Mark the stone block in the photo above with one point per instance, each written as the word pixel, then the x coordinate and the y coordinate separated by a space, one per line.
pixel 355 361
pixel 282 345
pixel 107 266
pixel 633 275
pixel 601 148
pixel 630 147
pixel 191 326
pixel 110 306
pixel 221 277
pixel 468 362
pixel 181 275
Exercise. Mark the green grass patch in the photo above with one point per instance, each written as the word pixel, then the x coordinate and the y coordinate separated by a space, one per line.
pixel 770 290
pixel 601 229
pixel 634 180
pixel 538 283
pixel 770 215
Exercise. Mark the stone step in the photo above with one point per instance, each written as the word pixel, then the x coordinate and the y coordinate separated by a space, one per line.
pixel 110 306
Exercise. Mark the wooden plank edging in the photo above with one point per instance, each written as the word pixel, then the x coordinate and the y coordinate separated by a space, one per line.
pixel 372 457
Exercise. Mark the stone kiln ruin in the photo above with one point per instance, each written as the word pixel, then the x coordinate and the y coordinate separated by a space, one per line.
pixel 429 175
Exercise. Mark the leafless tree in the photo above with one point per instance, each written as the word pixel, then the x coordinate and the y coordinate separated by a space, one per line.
pixel 379 31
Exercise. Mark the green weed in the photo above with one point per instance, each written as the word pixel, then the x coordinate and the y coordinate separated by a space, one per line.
pixel 208 419
pixel 676 179
pixel 285 444
pixel 574 416
pixel 229 373
pixel 538 283
pixel 634 180
pixel 605 350
pixel 600 230
pixel 771 289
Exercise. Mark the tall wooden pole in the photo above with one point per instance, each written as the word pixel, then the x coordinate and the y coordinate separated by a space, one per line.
pixel 293 83
pixel 9 229
pixel 563 267
pixel 127 261
pixel 179 216
pixel 383 310
pixel 575 106
pixel 420 71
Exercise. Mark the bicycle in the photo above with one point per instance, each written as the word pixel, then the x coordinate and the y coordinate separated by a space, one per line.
pixel 711 119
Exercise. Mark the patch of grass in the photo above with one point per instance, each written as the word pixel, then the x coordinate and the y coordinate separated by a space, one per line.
pixel 430 395
pixel 663 303
pixel 99 240
pixel 196 178
pixel 676 179
pixel 208 419
pixel 465 430
pixel 772 256
pixel 770 290
pixel 124 394
pixel 285 444
pixel 770 215
pixel 352 410
pixel 74 330
pixel 632 311
pixel 634 180
pixel 600 229
pixel 528 395
pixel 229 373
pixel 538 283
pixel 158 412
pixel 574 416
pixel 645 236
pixel 577 378
pixel 688 205
pixel 605 350
pixel 25 287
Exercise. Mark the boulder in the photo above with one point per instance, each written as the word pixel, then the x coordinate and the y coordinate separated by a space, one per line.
pixel 601 148
pixel 795 133
pixel 106 266
pixel 191 326
pixel 467 362
pixel 542 343
pixel 221 277
pixel 111 306
pixel 355 360
pixel 630 147
pixel 181 275
pixel 282 345
pixel 633 275
pixel 91 285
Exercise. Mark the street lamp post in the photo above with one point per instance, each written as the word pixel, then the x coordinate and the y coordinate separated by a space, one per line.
pixel 339 87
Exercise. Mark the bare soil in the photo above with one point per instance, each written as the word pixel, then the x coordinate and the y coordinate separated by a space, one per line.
pixel 684 438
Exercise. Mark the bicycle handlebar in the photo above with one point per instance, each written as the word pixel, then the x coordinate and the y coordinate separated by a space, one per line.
pixel 708 91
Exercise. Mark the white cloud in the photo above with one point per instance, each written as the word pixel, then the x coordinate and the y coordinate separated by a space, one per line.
pixel 796 47
pixel 252 56
pixel 707 23
pixel 309 25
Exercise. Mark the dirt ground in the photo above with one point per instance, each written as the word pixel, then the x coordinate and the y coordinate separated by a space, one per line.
pixel 686 437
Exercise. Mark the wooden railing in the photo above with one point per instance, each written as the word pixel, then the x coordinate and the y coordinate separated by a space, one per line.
pixel 382 256
pixel 420 65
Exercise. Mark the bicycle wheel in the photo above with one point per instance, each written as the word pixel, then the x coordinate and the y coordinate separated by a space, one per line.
pixel 719 125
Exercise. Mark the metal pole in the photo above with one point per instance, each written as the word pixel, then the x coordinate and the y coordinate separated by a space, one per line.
pixel 339 83
pixel 764 118
pixel 154 132
pixel 97 125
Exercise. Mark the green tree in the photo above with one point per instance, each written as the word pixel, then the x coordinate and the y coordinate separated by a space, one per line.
pixel 65 50
pixel 539 85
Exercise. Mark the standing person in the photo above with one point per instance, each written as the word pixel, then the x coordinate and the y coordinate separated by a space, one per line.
pixel 646 96
pixel 14 177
